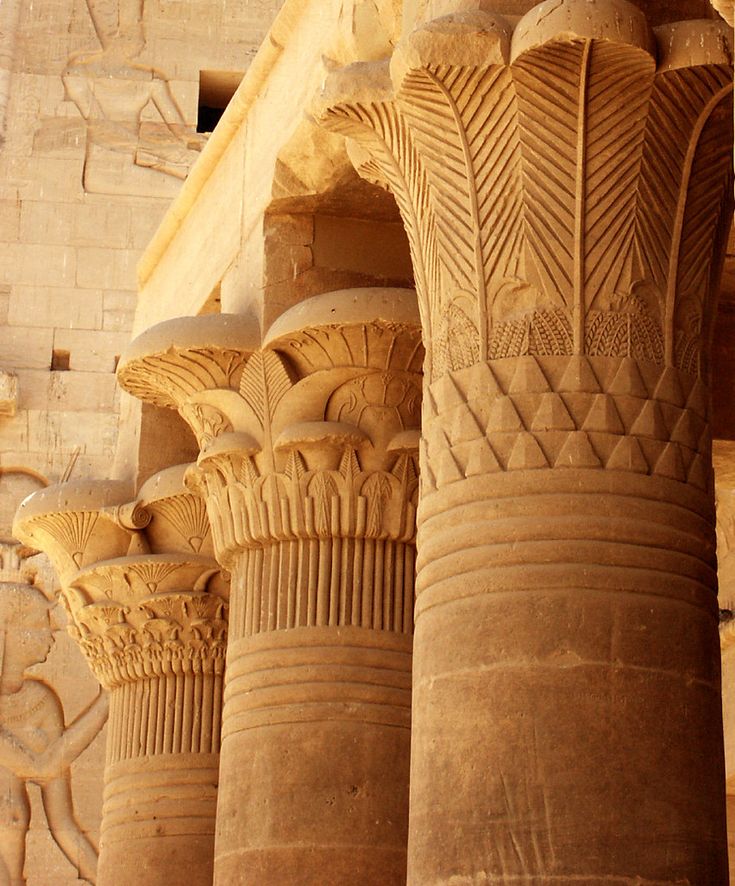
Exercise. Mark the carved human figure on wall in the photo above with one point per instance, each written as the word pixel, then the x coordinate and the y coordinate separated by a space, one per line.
pixel 112 88
pixel 35 745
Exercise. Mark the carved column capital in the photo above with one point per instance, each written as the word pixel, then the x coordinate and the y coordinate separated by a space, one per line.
pixel 312 437
pixel 181 363
pixel 582 159
pixel 143 597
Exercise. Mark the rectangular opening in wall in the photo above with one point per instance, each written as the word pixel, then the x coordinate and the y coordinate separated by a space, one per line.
pixel 60 360
pixel 216 88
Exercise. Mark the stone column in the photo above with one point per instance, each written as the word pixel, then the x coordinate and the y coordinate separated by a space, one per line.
pixel 148 608
pixel 566 189
pixel 725 495
pixel 311 483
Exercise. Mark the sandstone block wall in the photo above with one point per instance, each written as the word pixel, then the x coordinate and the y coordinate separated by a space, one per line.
pixel 85 176
pixel 98 112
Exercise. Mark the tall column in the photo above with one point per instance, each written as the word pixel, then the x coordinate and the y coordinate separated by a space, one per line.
pixel 311 484
pixel 153 628
pixel 566 189
pixel 725 495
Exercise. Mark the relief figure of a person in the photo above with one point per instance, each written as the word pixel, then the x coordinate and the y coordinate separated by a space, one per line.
pixel 111 89
pixel 35 745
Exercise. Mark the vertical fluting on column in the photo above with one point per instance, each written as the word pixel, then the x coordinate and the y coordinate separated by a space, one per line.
pixel 153 628
pixel 311 481
pixel 566 190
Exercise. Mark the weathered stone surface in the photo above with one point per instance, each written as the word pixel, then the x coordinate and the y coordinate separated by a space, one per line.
pixel 308 465
pixel 147 608
pixel 566 571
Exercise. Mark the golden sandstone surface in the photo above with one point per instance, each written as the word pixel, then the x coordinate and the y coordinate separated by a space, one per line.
pixel 379 442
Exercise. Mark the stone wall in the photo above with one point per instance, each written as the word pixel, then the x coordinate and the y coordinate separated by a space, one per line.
pixel 99 131
pixel 98 112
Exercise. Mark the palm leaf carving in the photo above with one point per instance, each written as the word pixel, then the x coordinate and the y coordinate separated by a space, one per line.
pixel 550 96
pixel 679 100
pixel 385 134
pixel 571 172
pixel 464 123
pixel 427 105
pixel 707 198
pixel 619 88
pixel 263 384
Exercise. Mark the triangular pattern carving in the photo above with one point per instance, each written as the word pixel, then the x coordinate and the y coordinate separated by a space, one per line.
pixel 603 425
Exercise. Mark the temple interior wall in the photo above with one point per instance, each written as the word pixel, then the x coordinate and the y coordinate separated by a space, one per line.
pixel 81 196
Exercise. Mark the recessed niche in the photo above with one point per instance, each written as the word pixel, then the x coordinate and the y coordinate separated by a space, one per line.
pixel 60 360
pixel 216 88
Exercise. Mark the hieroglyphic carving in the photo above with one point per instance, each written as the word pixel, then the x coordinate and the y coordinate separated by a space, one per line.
pixel 526 166
pixel 37 746
pixel 111 88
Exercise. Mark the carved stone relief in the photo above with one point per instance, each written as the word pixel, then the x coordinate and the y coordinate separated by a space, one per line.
pixel 111 88
pixel 148 608
pixel 38 743
pixel 309 468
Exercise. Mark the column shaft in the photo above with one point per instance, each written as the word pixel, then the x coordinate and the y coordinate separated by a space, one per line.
pixel 565 183
pixel 161 780
pixel 572 609
pixel 308 466
pixel 318 702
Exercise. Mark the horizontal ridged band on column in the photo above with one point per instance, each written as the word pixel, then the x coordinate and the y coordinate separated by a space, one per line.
pixel 315 674
pixel 172 796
